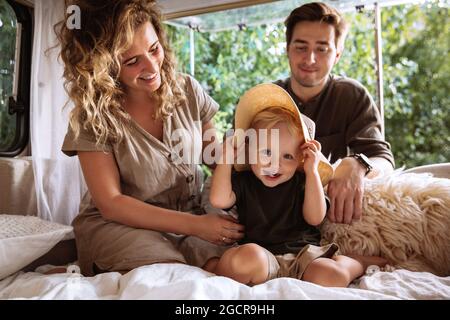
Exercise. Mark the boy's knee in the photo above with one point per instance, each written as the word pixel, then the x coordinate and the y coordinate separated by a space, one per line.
pixel 249 255
pixel 326 272
pixel 251 260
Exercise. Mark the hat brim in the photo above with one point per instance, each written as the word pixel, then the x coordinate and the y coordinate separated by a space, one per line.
pixel 269 95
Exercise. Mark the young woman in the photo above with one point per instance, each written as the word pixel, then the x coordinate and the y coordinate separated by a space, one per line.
pixel 132 112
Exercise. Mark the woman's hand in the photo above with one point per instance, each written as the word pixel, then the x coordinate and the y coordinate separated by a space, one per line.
pixel 219 229
pixel 310 152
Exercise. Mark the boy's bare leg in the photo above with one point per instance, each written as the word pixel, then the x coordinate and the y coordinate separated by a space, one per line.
pixel 365 261
pixel 247 264
pixel 339 271
pixel 56 270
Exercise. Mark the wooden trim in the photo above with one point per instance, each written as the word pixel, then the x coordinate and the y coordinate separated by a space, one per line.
pixel 216 8
pixel 28 3
pixel 379 62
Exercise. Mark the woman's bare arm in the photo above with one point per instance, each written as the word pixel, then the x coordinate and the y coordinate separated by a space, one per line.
pixel 103 181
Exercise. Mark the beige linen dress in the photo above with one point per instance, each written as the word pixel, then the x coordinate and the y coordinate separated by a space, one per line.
pixel 154 172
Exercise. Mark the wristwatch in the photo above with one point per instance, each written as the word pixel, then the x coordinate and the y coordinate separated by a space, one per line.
pixel 364 161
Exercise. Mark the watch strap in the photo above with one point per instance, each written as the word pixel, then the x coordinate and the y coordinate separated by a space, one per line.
pixel 361 159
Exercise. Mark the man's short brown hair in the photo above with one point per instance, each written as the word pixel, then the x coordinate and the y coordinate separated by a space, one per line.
pixel 321 12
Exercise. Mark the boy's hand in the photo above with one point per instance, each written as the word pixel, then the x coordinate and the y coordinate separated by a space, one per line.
pixel 310 151
pixel 231 149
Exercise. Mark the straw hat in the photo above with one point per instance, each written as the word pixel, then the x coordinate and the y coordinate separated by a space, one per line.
pixel 267 95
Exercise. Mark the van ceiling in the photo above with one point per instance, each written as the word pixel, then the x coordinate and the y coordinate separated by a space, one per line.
pixel 204 16
pixel 217 15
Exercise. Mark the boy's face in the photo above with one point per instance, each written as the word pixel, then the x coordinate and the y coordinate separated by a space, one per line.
pixel 277 160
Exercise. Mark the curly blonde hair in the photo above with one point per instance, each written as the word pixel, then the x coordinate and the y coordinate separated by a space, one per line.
pixel 92 65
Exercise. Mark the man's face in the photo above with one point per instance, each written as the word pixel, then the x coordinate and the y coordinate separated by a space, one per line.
pixel 312 53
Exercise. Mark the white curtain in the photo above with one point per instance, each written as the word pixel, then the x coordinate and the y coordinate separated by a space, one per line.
pixel 58 178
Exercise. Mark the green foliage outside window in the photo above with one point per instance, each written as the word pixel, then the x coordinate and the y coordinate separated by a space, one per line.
pixel 8 28
pixel 416 72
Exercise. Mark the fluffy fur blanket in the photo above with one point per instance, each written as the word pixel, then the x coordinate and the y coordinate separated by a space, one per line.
pixel 406 219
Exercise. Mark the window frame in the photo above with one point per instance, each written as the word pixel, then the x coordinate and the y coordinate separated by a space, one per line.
pixel 24 16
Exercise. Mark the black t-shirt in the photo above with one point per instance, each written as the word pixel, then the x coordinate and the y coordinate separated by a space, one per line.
pixel 273 217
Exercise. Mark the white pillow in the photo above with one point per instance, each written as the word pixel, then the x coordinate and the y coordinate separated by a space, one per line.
pixel 23 239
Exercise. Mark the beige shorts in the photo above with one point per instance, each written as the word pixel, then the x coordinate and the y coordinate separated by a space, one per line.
pixel 108 246
pixel 293 266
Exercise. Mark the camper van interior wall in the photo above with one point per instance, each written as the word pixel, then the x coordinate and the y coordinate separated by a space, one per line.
pixel 17 174
pixel 57 200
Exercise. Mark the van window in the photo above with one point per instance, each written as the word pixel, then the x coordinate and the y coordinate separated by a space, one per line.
pixel 15 65
pixel 416 55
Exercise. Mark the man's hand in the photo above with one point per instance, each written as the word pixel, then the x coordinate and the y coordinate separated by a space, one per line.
pixel 346 192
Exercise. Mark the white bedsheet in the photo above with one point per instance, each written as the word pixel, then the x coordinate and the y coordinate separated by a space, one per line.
pixel 176 281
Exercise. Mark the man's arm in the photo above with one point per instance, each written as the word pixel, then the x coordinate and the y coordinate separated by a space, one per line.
pixel 381 166
pixel 364 136
pixel 347 188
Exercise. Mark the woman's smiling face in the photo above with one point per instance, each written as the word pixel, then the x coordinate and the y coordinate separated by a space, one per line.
pixel 142 62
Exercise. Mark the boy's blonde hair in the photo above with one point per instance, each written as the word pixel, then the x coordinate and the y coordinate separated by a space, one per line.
pixel 268 118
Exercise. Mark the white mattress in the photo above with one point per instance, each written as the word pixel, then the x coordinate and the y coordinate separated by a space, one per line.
pixel 176 281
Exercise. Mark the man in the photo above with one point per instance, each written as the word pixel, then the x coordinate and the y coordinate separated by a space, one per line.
pixel 348 123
